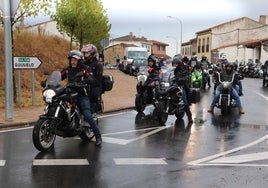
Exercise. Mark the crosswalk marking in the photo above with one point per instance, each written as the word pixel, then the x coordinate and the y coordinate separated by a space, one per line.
pixel 44 162
pixel 140 161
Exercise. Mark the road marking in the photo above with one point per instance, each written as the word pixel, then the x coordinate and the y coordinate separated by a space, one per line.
pixel 263 96
pixel 2 162
pixel 140 161
pixel 47 162
pixel 206 160
pixel 127 141
pixel 242 158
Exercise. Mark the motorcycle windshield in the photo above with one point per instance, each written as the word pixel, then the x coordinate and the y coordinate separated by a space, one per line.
pixel 167 74
pixel 54 79
pixel 143 70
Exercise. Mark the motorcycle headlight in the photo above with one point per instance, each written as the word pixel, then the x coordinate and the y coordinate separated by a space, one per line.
pixel 48 95
pixel 165 84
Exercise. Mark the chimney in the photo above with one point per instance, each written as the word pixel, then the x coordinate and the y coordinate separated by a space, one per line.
pixel 131 37
pixel 262 19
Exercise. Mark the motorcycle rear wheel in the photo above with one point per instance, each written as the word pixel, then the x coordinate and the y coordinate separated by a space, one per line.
pixel 43 135
pixel 87 135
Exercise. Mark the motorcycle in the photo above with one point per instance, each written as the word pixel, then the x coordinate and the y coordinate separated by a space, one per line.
pixel 61 116
pixel 197 79
pixel 168 96
pixel 265 77
pixel 143 97
pixel 226 101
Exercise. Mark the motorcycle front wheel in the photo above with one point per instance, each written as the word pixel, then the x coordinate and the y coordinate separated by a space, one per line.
pixel 43 135
pixel 162 112
pixel 140 103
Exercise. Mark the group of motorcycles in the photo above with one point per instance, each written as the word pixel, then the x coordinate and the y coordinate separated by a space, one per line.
pixel 166 96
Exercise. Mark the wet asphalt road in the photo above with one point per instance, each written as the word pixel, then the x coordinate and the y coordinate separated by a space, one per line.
pixel 214 151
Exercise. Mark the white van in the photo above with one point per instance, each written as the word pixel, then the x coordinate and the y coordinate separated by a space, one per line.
pixel 135 57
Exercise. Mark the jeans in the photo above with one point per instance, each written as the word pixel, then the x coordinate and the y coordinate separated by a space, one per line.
pixel 234 95
pixel 187 108
pixel 84 105
pixel 95 93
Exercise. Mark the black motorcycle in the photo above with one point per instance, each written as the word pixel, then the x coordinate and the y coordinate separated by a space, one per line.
pixel 265 77
pixel 61 116
pixel 226 101
pixel 168 96
pixel 144 94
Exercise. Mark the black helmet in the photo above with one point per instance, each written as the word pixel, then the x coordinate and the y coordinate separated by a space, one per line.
pixel 177 59
pixel 75 54
pixel 266 63
pixel 153 58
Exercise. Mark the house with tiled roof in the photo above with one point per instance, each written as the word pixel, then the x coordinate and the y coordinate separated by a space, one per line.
pixel 242 40
pixel 117 47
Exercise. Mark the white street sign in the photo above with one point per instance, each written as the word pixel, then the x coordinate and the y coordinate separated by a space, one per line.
pixel 26 62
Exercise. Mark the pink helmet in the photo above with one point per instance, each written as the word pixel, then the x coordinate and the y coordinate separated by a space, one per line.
pixel 90 48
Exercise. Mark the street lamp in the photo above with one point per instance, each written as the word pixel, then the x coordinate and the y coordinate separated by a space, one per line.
pixel 176 42
pixel 177 19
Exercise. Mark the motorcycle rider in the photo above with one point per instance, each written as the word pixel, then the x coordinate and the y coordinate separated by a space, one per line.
pixel 226 75
pixel 76 65
pixel 90 55
pixel 181 73
pixel 265 72
pixel 205 64
pixel 198 68
pixel 154 71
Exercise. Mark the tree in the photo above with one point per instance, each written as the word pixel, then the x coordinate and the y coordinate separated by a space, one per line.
pixel 84 22
pixel 31 8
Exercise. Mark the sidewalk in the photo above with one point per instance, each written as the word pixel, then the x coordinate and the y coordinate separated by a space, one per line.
pixel 121 97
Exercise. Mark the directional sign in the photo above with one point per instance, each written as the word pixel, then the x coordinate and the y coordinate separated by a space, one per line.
pixel 26 63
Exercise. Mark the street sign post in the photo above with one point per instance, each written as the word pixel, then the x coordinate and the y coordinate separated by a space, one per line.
pixel 26 62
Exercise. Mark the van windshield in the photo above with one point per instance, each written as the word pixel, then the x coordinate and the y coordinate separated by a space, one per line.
pixel 137 55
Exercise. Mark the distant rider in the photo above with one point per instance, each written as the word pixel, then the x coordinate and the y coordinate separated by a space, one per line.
pixel 226 75
pixel 205 64
pixel 182 74
pixel 154 71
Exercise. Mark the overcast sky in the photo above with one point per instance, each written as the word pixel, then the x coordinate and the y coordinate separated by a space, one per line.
pixel 149 18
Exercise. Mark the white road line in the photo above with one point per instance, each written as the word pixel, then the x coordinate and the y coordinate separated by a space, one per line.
pixel 200 162
pixel 140 161
pixel 263 96
pixel 242 158
pixel 67 162
pixel 126 141
pixel 115 140
pixel 2 162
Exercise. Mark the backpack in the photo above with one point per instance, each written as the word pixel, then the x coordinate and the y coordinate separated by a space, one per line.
pixel 107 83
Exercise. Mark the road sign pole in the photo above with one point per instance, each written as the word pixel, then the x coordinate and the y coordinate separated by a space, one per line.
pixel 8 61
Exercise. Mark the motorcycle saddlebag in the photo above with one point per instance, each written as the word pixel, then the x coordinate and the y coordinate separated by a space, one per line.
pixel 195 95
pixel 107 83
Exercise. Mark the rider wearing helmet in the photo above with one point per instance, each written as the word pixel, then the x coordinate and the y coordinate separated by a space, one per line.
pixel 76 66
pixel 154 71
pixel 227 75
pixel 91 60
pixel 182 77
